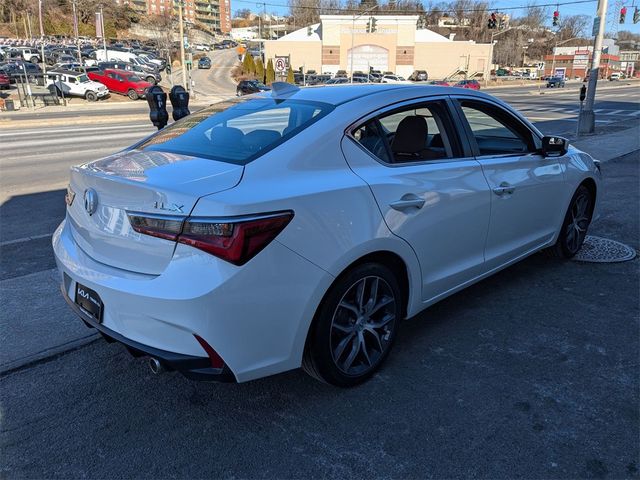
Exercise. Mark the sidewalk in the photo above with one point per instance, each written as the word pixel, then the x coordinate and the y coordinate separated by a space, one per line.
pixel 607 144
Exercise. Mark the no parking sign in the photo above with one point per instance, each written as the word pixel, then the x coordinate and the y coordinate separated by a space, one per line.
pixel 281 64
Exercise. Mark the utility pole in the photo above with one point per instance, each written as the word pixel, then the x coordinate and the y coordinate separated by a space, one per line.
pixel 185 80
pixel 353 30
pixel 587 118
pixel 493 35
pixel 75 32
pixel 104 35
pixel 29 24
pixel 44 63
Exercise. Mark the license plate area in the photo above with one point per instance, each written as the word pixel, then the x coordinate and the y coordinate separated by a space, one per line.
pixel 89 301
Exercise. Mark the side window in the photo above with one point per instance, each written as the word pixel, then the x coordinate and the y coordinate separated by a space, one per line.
pixel 72 80
pixel 496 131
pixel 413 134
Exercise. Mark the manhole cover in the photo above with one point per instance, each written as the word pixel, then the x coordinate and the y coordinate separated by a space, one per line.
pixel 603 250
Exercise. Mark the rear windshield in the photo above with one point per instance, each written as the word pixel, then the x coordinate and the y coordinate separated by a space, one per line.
pixel 237 131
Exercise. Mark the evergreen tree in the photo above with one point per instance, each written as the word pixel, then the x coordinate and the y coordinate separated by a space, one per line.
pixel 260 70
pixel 271 73
pixel 290 77
pixel 248 65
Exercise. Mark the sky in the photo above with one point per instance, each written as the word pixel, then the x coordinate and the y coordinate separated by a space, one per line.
pixel 588 9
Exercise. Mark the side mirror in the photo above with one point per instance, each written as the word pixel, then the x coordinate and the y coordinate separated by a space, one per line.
pixel 553 146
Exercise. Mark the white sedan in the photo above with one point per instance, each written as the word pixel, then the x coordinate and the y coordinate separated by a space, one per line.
pixel 299 227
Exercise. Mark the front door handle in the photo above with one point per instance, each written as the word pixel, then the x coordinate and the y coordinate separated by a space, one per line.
pixel 406 202
pixel 503 189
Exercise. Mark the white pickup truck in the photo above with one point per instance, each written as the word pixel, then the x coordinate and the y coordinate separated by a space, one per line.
pixel 74 84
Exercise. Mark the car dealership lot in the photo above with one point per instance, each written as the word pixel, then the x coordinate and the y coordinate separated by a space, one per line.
pixel 530 373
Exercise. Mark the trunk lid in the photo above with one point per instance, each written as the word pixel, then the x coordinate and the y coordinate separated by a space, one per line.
pixel 151 182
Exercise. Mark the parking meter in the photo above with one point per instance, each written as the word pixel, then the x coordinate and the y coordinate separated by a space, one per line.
pixel 180 100
pixel 583 92
pixel 157 99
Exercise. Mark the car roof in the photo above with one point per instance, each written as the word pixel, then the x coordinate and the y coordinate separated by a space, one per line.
pixel 65 72
pixel 338 94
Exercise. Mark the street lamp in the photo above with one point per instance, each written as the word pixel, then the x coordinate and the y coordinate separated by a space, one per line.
pixel 493 35
pixel 353 29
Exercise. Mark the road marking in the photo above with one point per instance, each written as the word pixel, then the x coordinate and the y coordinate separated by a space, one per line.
pixel 77 130
pixel 24 239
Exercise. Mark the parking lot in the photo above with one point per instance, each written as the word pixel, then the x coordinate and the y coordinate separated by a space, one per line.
pixel 531 373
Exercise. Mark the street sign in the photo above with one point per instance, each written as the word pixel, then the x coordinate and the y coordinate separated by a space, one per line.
pixel 596 27
pixel 281 64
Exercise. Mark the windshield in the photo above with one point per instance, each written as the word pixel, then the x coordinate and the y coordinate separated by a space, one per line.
pixel 134 78
pixel 237 131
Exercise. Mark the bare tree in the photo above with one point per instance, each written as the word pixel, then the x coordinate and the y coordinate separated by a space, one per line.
pixel 573 26
pixel 305 12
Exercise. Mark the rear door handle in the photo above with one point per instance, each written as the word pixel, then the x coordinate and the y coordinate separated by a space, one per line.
pixel 406 202
pixel 503 189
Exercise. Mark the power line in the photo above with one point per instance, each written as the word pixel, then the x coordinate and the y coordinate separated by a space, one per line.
pixel 415 11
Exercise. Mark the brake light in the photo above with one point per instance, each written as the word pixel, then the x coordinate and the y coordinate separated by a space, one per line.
pixel 235 240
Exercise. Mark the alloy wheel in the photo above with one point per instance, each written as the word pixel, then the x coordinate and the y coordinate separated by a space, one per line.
pixel 362 325
pixel 576 229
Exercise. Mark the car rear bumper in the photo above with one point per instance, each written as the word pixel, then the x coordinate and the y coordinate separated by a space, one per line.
pixel 255 317
pixel 195 368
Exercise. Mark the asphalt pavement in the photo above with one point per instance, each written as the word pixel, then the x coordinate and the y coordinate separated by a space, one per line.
pixel 532 373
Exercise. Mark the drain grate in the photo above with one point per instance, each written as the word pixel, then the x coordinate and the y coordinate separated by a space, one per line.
pixel 603 250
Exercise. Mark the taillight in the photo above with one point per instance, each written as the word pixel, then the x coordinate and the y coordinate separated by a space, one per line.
pixel 236 240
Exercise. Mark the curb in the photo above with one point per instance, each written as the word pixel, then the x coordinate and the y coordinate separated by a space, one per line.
pixel 47 355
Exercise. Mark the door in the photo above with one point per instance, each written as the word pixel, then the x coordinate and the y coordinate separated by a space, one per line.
pixel 526 187
pixel 429 191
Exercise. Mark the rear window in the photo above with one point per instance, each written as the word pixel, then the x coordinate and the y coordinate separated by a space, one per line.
pixel 237 131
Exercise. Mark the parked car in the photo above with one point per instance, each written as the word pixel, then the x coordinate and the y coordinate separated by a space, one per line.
pixel 616 76
pixel 336 81
pixel 555 82
pixel 122 82
pixel 204 62
pixel 203 48
pixel 341 74
pixel 5 80
pixel 29 54
pixel 471 84
pixel 419 76
pixel 247 87
pixel 268 233
pixel 392 79
pixel 442 83
pixel 151 75
pixel 74 84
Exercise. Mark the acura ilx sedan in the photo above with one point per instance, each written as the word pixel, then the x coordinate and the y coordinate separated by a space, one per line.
pixel 299 227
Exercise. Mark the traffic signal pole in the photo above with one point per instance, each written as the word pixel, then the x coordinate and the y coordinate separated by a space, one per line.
pixel 587 118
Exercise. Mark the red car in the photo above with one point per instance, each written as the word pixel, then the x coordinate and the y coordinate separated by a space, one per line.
pixel 472 84
pixel 5 81
pixel 121 81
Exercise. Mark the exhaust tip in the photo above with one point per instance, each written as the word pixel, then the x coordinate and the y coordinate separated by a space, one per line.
pixel 155 366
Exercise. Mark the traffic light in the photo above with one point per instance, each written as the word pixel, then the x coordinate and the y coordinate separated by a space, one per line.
pixel 636 15
pixel 556 18
pixel 623 14
pixel 309 31
pixel 371 25
pixel 493 21
pixel 501 22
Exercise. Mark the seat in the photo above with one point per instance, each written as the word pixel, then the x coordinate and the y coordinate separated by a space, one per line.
pixel 410 141
pixel 259 139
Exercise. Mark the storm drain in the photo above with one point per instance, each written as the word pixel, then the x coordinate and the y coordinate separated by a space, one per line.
pixel 603 250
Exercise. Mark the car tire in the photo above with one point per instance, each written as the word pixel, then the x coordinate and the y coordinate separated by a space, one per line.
pixel 91 96
pixel 151 80
pixel 575 225
pixel 132 95
pixel 355 326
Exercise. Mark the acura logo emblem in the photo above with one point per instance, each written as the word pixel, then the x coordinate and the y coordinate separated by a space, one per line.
pixel 90 201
